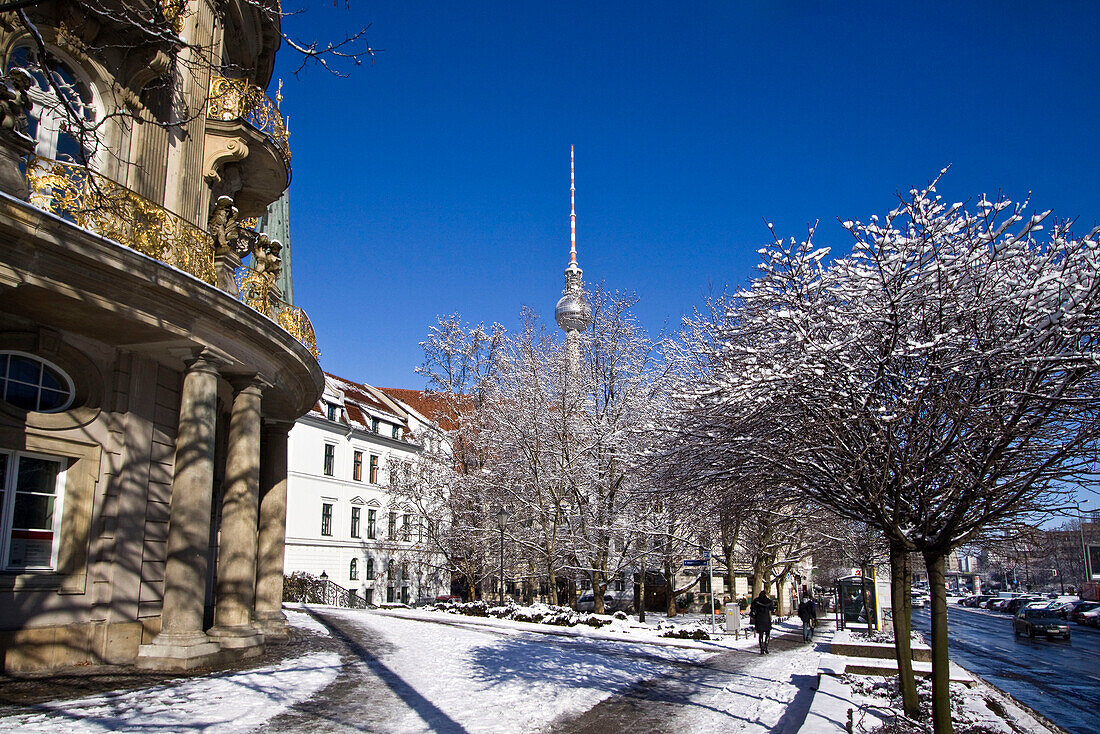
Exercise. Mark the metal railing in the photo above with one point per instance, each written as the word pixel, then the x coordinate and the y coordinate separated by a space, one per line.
pixel 231 99
pixel 109 209
pixel 322 591
pixel 259 291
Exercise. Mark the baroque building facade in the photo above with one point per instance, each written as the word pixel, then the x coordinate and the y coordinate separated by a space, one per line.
pixel 150 371
pixel 344 522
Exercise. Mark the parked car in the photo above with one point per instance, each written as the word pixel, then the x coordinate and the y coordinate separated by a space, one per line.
pixel 919 599
pixel 1074 615
pixel 1034 622
pixel 613 601
pixel 1091 618
pixel 978 600
pixel 963 601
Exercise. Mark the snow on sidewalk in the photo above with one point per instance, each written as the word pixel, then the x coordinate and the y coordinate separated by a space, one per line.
pixel 227 702
pixel 505 678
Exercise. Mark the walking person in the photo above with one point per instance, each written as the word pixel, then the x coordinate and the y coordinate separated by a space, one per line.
pixel 807 612
pixel 761 613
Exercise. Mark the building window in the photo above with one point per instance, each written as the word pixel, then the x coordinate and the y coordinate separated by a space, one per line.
pixel 368 596
pixel 330 459
pixel 404 594
pixel 374 424
pixel 357 466
pixel 355 522
pixel 405 528
pixel 326 519
pixel 353 569
pixel 374 468
pixel 30 510
pixel 397 431
pixel 392 535
pixel 389 594
pixel 370 568
pixel 371 532
pixel 64 129
pixel 33 384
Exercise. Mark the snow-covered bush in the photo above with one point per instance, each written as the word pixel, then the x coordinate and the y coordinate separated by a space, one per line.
pixel 620 615
pixel 536 613
pixel 690 631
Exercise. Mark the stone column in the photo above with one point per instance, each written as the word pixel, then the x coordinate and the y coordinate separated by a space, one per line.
pixel 269 617
pixel 181 643
pixel 236 591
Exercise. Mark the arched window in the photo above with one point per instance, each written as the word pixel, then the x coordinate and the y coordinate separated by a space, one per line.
pixel 65 112
pixel 33 384
pixel 353 569
pixel 370 568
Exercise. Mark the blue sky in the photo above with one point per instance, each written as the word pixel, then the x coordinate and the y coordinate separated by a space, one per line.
pixel 437 179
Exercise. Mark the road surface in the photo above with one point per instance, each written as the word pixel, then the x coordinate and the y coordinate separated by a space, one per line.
pixel 1059 679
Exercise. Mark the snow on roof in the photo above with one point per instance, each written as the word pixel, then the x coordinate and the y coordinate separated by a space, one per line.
pixel 361 403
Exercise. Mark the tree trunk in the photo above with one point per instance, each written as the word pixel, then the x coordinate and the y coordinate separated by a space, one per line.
pixel 598 587
pixel 550 574
pixel 670 589
pixel 641 592
pixel 900 581
pixel 941 675
pixel 731 577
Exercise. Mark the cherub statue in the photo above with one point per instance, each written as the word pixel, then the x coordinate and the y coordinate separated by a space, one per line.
pixel 15 102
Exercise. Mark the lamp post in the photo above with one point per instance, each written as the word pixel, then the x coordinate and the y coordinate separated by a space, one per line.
pixel 502 517
pixel 1084 550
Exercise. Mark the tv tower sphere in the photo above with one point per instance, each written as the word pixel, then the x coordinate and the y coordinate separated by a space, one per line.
pixel 573 312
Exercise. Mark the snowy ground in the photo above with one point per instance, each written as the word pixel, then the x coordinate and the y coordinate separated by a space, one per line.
pixel 384 673
pixel 231 702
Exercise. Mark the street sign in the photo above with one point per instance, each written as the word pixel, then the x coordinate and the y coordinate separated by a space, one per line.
pixel 706 555
pixel 699 562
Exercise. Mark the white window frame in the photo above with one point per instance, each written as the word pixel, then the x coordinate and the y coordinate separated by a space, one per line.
pixel 8 509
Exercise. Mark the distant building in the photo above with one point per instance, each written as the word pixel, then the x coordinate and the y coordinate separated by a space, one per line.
pixel 342 520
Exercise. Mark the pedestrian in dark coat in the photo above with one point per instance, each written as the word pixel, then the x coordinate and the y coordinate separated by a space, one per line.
pixel 807 612
pixel 761 613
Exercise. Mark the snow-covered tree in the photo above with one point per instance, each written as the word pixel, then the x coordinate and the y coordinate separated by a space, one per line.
pixel 938 382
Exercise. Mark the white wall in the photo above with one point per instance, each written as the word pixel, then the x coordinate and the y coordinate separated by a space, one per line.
pixel 308 489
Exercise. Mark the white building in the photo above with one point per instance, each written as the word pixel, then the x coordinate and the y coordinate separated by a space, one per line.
pixel 341 520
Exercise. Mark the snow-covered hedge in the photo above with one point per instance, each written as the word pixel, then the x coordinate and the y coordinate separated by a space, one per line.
pixel 689 631
pixel 537 613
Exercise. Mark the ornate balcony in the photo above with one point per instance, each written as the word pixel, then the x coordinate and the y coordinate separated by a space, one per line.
pixel 100 205
pixel 109 209
pixel 231 99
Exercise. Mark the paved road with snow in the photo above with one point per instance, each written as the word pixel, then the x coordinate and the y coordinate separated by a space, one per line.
pixel 405 675
pixel 1060 680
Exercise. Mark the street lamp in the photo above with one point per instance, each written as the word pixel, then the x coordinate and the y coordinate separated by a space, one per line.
pixel 1081 527
pixel 502 518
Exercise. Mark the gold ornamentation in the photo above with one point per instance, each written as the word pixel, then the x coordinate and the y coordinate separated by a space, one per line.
pixel 259 291
pixel 109 209
pixel 239 98
pixel 295 321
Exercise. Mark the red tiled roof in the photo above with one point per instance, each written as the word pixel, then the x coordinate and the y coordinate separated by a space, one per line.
pixel 432 406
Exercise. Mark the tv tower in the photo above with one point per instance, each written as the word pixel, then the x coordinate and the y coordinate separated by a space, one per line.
pixel 573 313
